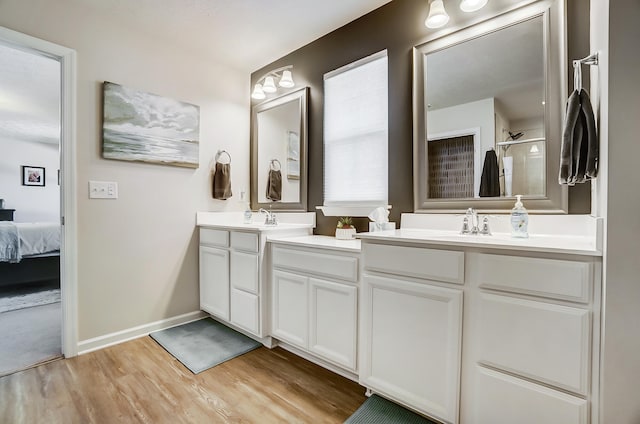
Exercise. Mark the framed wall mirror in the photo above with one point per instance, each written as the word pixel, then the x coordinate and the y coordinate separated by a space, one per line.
pixel 488 108
pixel 279 152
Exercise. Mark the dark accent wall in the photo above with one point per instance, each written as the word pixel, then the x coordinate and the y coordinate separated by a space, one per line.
pixel 397 27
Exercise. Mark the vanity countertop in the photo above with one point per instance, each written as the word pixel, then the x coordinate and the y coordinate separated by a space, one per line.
pixel 234 221
pixel 572 245
pixel 325 242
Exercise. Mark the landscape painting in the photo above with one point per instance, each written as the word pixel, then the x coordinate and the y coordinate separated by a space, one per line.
pixel 144 127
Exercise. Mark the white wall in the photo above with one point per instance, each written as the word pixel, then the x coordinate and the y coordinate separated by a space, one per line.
pixel 464 116
pixel 138 257
pixel 615 33
pixel 32 203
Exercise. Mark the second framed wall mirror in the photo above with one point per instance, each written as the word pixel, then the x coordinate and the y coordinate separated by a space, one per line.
pixel 279 152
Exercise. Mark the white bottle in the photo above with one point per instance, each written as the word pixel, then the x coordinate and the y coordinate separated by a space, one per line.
pixel 248 215
pixel 519 220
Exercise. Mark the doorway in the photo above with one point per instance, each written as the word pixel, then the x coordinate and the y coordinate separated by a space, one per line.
pixel 37 185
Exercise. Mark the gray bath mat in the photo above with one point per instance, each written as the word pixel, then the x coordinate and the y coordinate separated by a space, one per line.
pixel 203 344
pixel 377 410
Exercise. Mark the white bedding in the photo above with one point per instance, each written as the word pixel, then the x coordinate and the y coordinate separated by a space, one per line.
pixel 33 238
pixel 38 237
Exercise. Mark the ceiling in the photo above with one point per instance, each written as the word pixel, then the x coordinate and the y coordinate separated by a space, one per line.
pixel 244 34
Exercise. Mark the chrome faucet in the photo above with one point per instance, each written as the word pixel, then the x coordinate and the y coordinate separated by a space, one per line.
pixel 471 224
pixel 270 218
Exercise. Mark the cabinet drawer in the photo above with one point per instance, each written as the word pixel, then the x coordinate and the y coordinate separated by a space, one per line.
pixel 430 264
pixel 500 398
pixel 245 311
pixel 541 341
pixel 553 278
pixel 343 267
pixel 212 237
pixel 245 241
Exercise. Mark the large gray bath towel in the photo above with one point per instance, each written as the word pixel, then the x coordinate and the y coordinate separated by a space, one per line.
pixel 579 149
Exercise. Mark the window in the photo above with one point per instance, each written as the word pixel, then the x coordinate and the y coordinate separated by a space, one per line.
pixel 356 134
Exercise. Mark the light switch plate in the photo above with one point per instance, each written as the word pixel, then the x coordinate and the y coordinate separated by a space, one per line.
pixel 103 190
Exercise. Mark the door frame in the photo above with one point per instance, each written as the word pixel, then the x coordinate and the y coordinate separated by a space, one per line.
pixel 68 202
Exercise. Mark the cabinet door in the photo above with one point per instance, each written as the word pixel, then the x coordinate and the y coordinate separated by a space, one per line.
pixel 411 338
pixel 214 281
pixel 245 311
pixel 244 271
pixel 290 308
pixel 332 321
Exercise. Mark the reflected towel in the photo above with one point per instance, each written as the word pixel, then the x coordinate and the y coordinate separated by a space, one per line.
pixel 222 181
pixel 579 149
pixel 274 185
pixel 490 180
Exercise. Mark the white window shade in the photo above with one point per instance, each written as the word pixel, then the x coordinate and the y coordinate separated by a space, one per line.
pixel 356 134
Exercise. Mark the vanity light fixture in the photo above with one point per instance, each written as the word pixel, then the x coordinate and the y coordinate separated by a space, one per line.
pixel 472 5
pixel 437 15
pixel 267 83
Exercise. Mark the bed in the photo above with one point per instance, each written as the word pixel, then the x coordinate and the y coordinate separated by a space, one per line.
pixel 29 252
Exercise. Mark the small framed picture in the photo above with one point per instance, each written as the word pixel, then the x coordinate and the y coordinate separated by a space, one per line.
pixel 32 176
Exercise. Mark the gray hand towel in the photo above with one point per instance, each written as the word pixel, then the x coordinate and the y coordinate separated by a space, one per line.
pixel 566 148
pixel 221 188
pixel 274 185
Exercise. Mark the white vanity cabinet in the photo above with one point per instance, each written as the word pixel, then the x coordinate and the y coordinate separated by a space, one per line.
pixel 532 345
pixel 314 301
pixel 523 347
pixel 411 326
pixel 233 275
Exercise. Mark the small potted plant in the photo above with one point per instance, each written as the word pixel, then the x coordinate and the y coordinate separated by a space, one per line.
pixel 345 229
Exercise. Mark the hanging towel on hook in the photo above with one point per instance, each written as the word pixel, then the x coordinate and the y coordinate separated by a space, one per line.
pixel 221 182
pixel 274 182
pixel 490 179
pixel 580 145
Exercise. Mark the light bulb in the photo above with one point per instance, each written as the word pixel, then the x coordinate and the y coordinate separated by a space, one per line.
pixel 258 93
pixel 437 15
pixel 269 85
pixel 472 5
pixel 287 80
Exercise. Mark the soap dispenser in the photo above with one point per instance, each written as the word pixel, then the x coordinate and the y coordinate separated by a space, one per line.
pixel 248 215
pixel 519 219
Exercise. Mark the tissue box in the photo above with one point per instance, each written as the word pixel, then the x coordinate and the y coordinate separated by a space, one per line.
pixel 385 226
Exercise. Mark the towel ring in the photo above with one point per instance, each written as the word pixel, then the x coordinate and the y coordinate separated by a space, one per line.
pixel 220 153
pixel 273 163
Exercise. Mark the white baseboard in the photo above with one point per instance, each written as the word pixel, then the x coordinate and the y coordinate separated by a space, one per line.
pixel 100 342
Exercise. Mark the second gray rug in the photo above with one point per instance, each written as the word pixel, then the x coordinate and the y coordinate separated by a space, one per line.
pixel 203 344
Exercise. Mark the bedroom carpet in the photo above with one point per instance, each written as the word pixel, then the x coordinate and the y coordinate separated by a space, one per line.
pixel 19 300
pixel 203 344
pixel 377 410
pixel 29 336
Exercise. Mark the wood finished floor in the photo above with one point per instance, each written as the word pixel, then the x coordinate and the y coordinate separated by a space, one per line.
pixel 139 382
